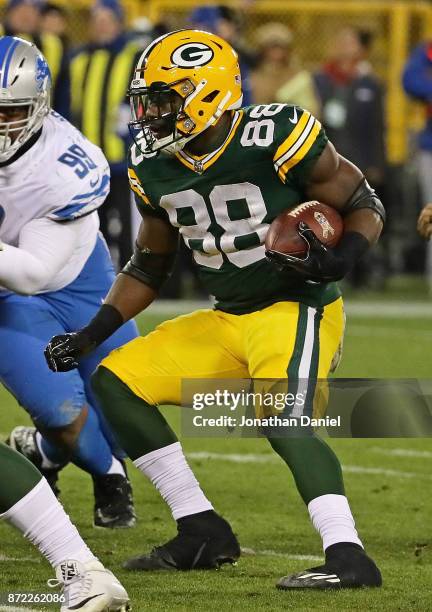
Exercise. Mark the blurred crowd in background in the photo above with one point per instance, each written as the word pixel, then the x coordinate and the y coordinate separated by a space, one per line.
pixel 342 87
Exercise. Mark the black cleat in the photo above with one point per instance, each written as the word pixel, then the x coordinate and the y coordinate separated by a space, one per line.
pixel 114 507
pixel 346 566
pixel 204 541
pixel 23 440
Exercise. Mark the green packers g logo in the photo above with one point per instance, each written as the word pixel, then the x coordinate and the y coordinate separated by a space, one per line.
pixel 192 54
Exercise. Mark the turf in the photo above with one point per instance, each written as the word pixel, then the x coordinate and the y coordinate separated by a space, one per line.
pixel 388 483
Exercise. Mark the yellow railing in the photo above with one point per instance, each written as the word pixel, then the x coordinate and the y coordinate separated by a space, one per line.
pixel 397 26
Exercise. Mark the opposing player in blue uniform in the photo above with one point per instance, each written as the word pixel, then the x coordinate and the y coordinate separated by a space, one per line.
pixel 55 271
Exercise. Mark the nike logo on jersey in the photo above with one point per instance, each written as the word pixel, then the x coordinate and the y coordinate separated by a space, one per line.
pixel 294 119
pixel 95 182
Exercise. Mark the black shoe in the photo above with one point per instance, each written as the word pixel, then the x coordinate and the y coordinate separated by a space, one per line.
pixel 346 566
pixel 23 440
pixel 114 507
pixel 204 541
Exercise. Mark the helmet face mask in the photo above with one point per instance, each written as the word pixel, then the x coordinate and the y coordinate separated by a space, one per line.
pixel 25 83
pixel 184 81
pixel 15 132
pixel 156 111
pixel 16 120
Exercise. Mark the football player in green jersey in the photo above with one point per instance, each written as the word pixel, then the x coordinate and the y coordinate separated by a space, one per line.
pixel 218 174
pixel 28 503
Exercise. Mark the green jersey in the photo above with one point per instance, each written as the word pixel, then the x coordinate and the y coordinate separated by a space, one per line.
pixel 224 202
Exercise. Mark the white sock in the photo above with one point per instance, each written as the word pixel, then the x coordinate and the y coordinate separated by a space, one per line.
pixel 331 516
pixel 46 462
pixel 116 467
pixel 43 521
pixel 168 470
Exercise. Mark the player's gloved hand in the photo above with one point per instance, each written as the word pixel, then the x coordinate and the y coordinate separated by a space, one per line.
pixel 322 264
pixel 63 352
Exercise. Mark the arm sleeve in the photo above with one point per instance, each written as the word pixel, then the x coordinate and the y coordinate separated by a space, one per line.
pixel 45 246
pixel 417 76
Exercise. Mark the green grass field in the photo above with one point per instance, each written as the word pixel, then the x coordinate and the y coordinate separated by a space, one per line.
pixel 389 483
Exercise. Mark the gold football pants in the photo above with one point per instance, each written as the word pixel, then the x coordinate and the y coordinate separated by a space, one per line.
pixel 285 340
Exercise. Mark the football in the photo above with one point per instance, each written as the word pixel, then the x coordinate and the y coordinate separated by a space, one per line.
pixel 324 221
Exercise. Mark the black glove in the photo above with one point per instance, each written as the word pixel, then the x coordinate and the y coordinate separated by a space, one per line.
pixel 62 352
pixel 322 264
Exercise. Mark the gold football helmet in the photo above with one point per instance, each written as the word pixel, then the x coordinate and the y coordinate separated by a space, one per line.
pixel 183 83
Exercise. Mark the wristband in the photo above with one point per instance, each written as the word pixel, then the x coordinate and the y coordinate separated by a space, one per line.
pixel 350 248
pixel 103 325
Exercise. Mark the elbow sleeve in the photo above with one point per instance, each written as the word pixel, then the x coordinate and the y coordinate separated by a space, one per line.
pixel 365 197
pixel 150 268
